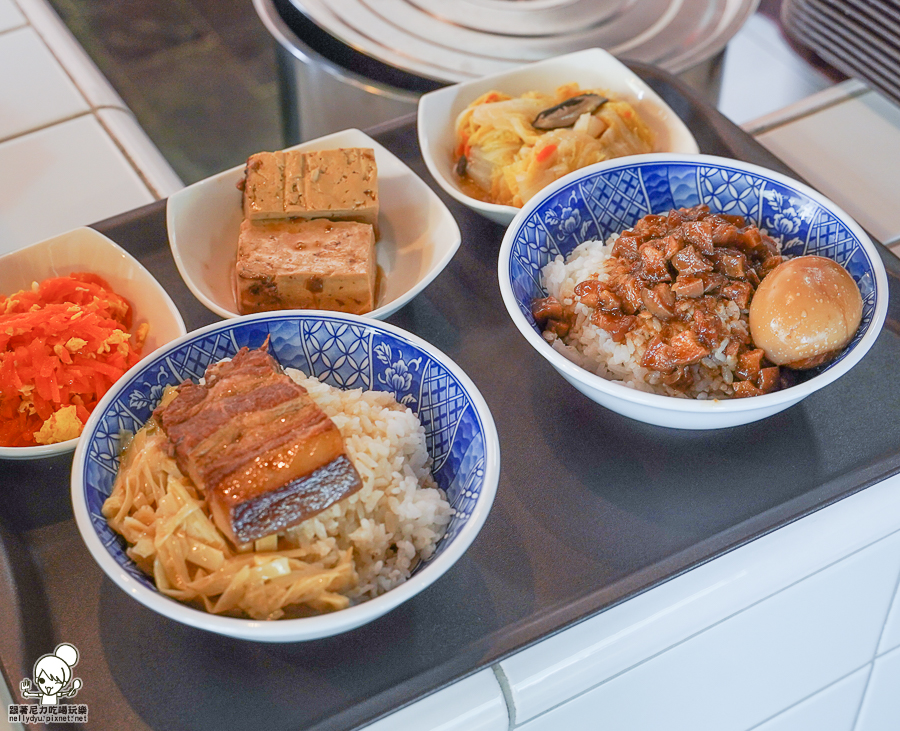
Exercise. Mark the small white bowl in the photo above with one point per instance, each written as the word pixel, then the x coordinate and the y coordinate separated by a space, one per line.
pixel 418 236
pixel 86 250
pixel 593 68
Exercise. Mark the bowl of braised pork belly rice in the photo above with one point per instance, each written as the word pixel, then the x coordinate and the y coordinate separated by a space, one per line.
pixel 692 292
pixel 285 476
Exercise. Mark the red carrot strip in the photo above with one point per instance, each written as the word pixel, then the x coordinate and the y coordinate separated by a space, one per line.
pixel 50 338
pixel 544 152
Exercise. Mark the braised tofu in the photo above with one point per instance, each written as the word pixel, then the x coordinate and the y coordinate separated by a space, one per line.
pixel 253 441
pixel 264 186
pixel 294 184
pixel 318 264
pixel 337 184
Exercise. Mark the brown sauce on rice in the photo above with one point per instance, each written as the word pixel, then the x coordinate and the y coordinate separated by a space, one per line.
pixel 677 289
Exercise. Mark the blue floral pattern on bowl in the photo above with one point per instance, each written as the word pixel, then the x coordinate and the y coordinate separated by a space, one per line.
pixel 608 200
pixel 344 354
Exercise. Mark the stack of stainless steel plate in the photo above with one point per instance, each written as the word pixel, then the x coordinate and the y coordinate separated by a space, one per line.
pixel 457 40
pixel 859 37
pixel 360 62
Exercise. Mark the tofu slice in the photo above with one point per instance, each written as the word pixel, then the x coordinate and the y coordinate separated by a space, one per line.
pixel 294 184
pixel 319 264
pixel 264 186
pixel 337 184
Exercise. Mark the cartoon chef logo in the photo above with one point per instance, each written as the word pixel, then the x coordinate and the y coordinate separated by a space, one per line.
pixel 53 677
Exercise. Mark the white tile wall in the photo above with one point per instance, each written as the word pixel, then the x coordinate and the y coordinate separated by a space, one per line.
pixel 833 709
pixel 10 15
pixel 881 706
pixel 62 177
pixel 744 670
pixel 473 704
pixel 39 92
pixel 593 651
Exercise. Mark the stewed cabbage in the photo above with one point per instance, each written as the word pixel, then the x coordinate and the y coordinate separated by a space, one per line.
pixel 503 159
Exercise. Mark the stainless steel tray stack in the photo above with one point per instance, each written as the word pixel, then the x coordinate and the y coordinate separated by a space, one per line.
pixel 356 63
pixel 462 40
pixel 858 37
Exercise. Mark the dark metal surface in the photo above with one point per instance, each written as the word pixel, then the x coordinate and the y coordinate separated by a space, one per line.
pixel 592 508
pixel 858 38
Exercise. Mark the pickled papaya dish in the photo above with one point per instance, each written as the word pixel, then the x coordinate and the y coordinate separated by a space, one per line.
pixel 63 343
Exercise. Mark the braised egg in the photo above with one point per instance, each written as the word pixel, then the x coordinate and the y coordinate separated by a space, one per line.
pixel 805 312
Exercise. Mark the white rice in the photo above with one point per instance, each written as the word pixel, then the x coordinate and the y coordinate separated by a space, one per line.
pixel 398 516
pixel 593 348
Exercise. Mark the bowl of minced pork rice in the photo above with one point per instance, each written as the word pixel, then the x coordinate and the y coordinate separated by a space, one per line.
pixel 692 292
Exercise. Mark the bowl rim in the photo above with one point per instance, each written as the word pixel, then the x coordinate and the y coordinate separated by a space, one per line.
pixel 306 628
pixel 362 139
pixel 60 448
pixel 670 403
pixel 426 136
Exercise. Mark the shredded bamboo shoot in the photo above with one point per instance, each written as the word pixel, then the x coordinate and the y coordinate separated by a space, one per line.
pixel 172 537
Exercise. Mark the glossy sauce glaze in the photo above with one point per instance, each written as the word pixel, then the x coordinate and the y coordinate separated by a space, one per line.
pixel 683 269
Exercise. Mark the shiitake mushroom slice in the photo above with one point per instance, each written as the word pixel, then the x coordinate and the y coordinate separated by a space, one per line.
pixel 567 113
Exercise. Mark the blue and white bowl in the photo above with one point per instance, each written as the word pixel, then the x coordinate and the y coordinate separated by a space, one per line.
pixel 345 351
pixel 610 197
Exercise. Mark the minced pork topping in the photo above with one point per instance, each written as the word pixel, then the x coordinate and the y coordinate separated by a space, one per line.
pixel 679 268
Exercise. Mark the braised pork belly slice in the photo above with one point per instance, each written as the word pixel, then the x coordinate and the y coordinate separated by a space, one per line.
pixel 265 456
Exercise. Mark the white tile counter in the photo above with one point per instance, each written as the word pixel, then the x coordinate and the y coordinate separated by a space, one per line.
pixel 10 16
pixel 761 73
pixel 881 706
pixel 473 704
pixel 82 171
pixel 795 630
pixel 831 709
pixel 713 595
pixel 70 150
pixel 41 93
pixel 890 640
pixel 732 643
